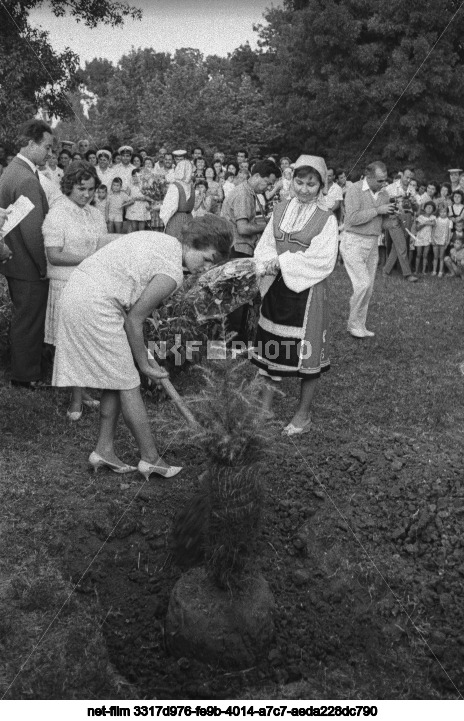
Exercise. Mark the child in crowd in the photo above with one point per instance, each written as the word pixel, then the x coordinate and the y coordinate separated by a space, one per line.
pixel 455 260
pixel 138 208
pixel 100 199
pixel 229 184
pixel 285 193
pixel 444 199
pixel 458 231
pixel 116 202
pixel 202 201
pixel 456 209
pixel 441 236
pixel 425 223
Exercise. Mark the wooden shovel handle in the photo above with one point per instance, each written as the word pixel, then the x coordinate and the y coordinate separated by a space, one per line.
pixel 173 394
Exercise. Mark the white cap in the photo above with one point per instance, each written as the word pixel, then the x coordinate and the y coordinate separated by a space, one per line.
pixel 125 147
pixel 103 151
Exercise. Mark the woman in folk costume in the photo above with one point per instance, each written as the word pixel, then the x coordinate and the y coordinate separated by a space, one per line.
pixel 179 200
pixel 299 247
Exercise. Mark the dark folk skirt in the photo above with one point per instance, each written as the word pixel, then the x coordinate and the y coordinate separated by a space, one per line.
pixel 292 337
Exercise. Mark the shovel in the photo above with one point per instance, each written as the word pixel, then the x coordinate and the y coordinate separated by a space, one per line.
pixel 173 394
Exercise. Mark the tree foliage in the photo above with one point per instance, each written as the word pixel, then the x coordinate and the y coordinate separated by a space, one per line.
pixel 152 99
pixel 32 74
pixel 353 79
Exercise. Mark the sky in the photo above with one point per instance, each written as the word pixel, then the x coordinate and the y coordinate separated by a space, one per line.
pixel 215 27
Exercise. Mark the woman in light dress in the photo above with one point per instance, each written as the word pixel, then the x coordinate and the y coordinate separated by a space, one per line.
pixel 100 330
pixel 72 230
pixel 298 251
pixel 179 200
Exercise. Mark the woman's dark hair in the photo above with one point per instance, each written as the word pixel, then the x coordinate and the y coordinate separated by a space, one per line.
pixel 458 192
pixel 430 202
pixel 195 162
pixel 435 185
pixel 232 162
pixel 201 181
pixel 117 179
pixel 136 155
pixel 135 172
pixel 115 155
pixel 209 231
pixel 307 170
pixel 90 152
pixel 77 171
pixel 65 152
pixel 77 154
pixel 229 175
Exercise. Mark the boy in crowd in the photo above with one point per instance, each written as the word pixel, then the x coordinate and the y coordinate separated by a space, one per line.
pixel 455 260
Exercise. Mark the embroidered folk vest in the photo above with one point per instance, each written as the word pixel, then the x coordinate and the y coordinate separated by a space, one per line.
pixel 300 240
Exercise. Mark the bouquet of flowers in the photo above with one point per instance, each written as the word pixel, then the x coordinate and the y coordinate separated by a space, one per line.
pixel 156 189
pixel 224 288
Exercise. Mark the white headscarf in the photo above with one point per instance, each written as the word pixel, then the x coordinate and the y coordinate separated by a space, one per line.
pixel 318 163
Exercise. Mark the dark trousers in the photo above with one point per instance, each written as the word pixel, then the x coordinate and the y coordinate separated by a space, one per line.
pixel 237 321
pixel 400 243
pixel 29 300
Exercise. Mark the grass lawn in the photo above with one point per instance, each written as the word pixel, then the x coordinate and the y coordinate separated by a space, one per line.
pixel 85 572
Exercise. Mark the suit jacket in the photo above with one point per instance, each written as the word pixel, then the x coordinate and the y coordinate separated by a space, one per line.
pixel 26 240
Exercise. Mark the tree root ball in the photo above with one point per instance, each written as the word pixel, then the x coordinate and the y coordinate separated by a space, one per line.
pixel 230 630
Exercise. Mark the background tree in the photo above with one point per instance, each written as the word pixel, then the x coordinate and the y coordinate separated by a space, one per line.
pixel 32 74
pixel 352 79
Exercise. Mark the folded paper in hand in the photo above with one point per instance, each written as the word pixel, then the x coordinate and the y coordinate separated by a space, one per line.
pixel 18 211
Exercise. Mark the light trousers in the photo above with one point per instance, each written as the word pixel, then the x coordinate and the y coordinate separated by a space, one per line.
pixel 360 255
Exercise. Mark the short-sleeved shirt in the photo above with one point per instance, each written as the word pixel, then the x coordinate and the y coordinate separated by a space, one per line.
pixel 240 204
pixel 115 201
pixel 334 195
pixel 125 267
pixel 74 229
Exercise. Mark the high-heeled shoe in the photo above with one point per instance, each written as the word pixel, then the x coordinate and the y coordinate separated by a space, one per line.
pixel 91 403
pixel 96 461
pixel 146 469
pixel 74 415
pixel 292 430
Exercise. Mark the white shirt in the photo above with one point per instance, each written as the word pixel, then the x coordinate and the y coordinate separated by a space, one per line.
pixel 106 176
pixel 53 175
pixel 125 173
pixel 29 162
pixel 51 190
pixel 303 269
pixel 334 195
pixel 170 204
pixel 365 186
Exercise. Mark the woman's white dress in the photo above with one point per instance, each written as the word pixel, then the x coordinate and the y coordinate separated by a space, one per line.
pixel 73 229
pixel 92 348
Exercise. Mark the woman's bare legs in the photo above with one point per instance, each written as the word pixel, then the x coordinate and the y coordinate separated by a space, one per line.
pixel 76 400
pixel 303 411
pixel 110 407
pixel 136 418
pixel 267 397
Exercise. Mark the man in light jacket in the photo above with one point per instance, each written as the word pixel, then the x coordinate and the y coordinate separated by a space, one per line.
pixel 366 202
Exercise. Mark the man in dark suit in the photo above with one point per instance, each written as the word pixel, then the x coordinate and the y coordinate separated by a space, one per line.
pixel 26 271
